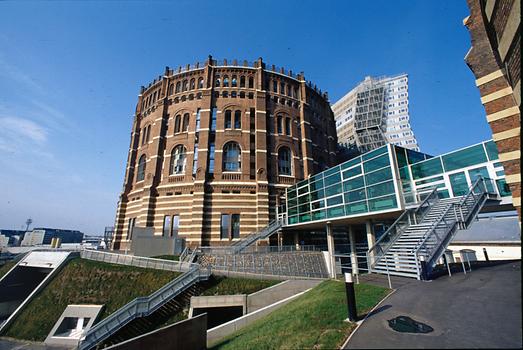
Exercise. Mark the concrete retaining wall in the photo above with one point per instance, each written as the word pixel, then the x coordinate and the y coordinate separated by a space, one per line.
pixel 268 296
pixel 218 301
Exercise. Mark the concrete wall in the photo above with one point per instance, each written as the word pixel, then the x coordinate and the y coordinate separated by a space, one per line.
pixel 145 243
pixel 218 301
pixel 188 334
pixel 217 333
pixel 494 252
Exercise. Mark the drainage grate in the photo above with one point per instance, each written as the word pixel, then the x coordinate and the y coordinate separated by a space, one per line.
pixel 405 324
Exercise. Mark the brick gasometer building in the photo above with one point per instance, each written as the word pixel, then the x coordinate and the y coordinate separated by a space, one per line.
pixel 213 145
pixel 495 60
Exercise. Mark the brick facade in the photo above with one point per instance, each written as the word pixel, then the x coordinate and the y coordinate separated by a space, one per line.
pixel 495 61
pixel 166 119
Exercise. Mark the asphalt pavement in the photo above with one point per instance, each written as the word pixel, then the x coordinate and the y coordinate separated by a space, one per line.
pixel 480 309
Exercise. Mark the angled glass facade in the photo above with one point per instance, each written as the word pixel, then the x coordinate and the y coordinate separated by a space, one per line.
pixel 388 178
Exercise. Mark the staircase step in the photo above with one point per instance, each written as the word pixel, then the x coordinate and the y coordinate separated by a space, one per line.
pixel 396 273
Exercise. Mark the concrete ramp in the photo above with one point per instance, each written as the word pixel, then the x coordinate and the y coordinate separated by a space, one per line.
pixel 25 279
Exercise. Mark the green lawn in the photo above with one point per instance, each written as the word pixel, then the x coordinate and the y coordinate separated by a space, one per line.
pixel 6 267
pixel 85 282
pixel 313 321
pixel 218 285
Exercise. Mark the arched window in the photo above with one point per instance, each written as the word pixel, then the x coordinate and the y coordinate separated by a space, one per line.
pixel 185 85
pixel 242 81
pixel 226 81
pixel 148 134
pixel 141 169
pixel 234 82
pixel 296 93
pixel 178 87
pixel 289 90
pixel 274 86
pixel 282 88
pixel 288 126
pixel 251 82
pixel 284 161
pixel 232 157
pixel 177 122
pixel 185 125
pixel 192 85
pixel 228 120
pixel 280 124
pixel 217 82
pixel 171 89
pixel 200 83
pixel 178 159
pixel 237 119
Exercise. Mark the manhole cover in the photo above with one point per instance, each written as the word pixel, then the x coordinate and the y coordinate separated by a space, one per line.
pixel 406 324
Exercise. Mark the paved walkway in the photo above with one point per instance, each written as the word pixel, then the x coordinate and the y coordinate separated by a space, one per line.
pixel 481 309
pixel 13 344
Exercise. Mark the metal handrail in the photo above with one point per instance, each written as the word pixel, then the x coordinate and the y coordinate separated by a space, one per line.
pixel 141 306
pixel 432 193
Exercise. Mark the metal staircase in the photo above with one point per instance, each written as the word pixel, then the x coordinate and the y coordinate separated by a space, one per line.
pixel 268 230
pixel 142 307
pixel 418 238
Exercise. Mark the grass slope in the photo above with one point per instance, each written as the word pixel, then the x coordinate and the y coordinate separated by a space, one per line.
pixel 85 282
pixel 313 321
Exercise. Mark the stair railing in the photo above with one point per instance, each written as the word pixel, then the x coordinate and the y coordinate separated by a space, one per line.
pixel 379 249
pixel 439 235
pixel 140 307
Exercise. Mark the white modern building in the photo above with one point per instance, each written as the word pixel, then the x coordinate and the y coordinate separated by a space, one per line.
pixel 374 113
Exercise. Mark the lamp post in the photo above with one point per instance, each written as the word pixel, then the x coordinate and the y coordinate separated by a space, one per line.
pixel 351 297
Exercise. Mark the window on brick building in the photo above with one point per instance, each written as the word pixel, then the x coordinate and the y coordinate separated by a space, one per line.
pixel 140 176
pixel 178 87
pixel 185 85
pixel 225 81
pixel 228 120
pixel 230 226
pixel 192 85
pixel 242 81
pixel 231 157
pixel 251 82
pixel 288 126
pixel 234 82
pixel 237 119
pixel 280 124
pixel 178 159
pixel 217 82
pixel 185 125
pixel 284 161
pixel 177 123
pixel 200 83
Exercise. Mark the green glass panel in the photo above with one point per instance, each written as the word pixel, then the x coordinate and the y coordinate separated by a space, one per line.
pixel 316 177
pixel 292 202
pixel 317 195
pixel 492 150
pixel 333 179
pixel 318 204
pixel 464 158
pixel 331 171
pixel 427 168
pixel 355 196
pixel 334 201
pixel 332 190
pixel 355 208
pixel 406 186
pixel 291 194
pixel 434 179
pixel 376 163
pixel 352 184
pixel 378 176
pixel 352 172
pixel 401 157
pixel 303 190
pixel 382 203
pixel 293 220
pixel 497 165
pixel 318 215
pixel 404 173
pixel 335 211
pixel 304 208
pixel 443 194
pixel 350 163
pixel 483 172
pixel 304 199
pixel 305 217
pixel 500 173
pixel 293 211
pixel 374 153
pixel 503 188
pixel 459 184
pixel 415 157
pixel 302 183
pixel 316 185
pixel 381 189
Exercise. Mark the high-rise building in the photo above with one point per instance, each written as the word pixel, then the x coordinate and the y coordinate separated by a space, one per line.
pixel 495 60
pixel 213 147
pixel 374 113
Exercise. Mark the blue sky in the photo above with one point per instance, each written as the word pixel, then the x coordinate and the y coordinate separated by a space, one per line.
pixel 70 73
